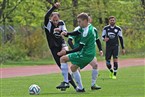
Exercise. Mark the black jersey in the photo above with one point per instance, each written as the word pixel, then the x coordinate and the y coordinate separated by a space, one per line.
pixel 112 33
pixel 53 40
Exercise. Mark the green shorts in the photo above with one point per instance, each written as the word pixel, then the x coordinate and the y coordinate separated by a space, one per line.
pixel 80 60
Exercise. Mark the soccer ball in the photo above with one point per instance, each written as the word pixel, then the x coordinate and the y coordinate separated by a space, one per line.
pixel 34 89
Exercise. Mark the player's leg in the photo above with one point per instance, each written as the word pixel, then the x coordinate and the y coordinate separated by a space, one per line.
pixel 108 63
pixel 115 60
pixel 54 52
pixel 71 81
pixel 115 68
pixel 79 64
pixel 64 68
pixel 94 65
pixel 80 61
pixel 77 77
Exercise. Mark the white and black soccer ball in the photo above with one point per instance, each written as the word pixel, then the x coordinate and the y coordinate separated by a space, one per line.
pixel 34 89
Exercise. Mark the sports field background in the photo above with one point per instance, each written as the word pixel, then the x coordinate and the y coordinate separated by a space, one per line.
pixel 129 83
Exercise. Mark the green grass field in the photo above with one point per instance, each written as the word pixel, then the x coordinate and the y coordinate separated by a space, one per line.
pixel 9 63
pixel 129 83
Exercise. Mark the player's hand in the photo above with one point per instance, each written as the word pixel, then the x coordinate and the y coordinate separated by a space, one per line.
pixel 123 51
pixel 101 53
pixel 63 33
pixel 61 53
pixel 106 39
pixel 57 4
pixel 57 30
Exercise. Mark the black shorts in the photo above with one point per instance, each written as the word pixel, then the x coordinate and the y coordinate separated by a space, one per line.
pixel 111 51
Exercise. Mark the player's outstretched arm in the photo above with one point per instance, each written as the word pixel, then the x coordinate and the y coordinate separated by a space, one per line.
pixel 74 33
pixel 64 52
pixel 47 15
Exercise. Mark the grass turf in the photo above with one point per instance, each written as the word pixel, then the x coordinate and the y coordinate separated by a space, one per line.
pixel 129 83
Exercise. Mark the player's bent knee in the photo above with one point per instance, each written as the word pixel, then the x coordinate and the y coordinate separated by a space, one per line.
pixel 63 59
pixel 74 68
pixel 94 66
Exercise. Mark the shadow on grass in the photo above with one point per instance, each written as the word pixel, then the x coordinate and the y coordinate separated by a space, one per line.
pixel 105 78
pixel 63 93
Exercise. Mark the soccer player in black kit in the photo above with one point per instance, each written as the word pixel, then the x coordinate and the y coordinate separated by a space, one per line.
pixel 110 35
pixel 53 27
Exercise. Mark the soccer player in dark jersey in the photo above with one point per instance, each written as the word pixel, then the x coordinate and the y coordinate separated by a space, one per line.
pixel 53 27
pixel 110 35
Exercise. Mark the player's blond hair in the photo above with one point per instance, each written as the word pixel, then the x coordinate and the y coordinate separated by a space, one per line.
pixel 112 17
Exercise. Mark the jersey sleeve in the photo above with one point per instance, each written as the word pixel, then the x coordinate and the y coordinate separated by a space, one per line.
pixel 96 33
pixel 121 38
pixel 46 18
pixel 62 26
pixel 77 28
pixel 73 37
pixel 103 33
pixel 120 33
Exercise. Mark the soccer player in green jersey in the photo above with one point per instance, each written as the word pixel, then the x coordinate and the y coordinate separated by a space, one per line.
pixel 93 63
pixel 80 56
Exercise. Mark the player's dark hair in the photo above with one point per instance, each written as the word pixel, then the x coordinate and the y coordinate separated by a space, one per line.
pixel 83 16
pixel 55 13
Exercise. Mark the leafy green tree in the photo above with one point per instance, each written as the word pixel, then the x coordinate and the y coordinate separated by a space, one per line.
pixel 27 16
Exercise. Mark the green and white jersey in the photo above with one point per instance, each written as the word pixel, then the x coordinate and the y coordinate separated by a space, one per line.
pixel 88 40
pixel 77 37
pixel 87 53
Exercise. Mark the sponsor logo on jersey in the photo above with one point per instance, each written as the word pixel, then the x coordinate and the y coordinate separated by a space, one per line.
pixel 111 35
pixel 115 30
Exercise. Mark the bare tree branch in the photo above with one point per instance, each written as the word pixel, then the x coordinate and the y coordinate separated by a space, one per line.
pixel 75 5
pixel 3 7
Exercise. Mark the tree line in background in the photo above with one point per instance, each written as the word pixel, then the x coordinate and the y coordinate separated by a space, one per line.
pixel 21 23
